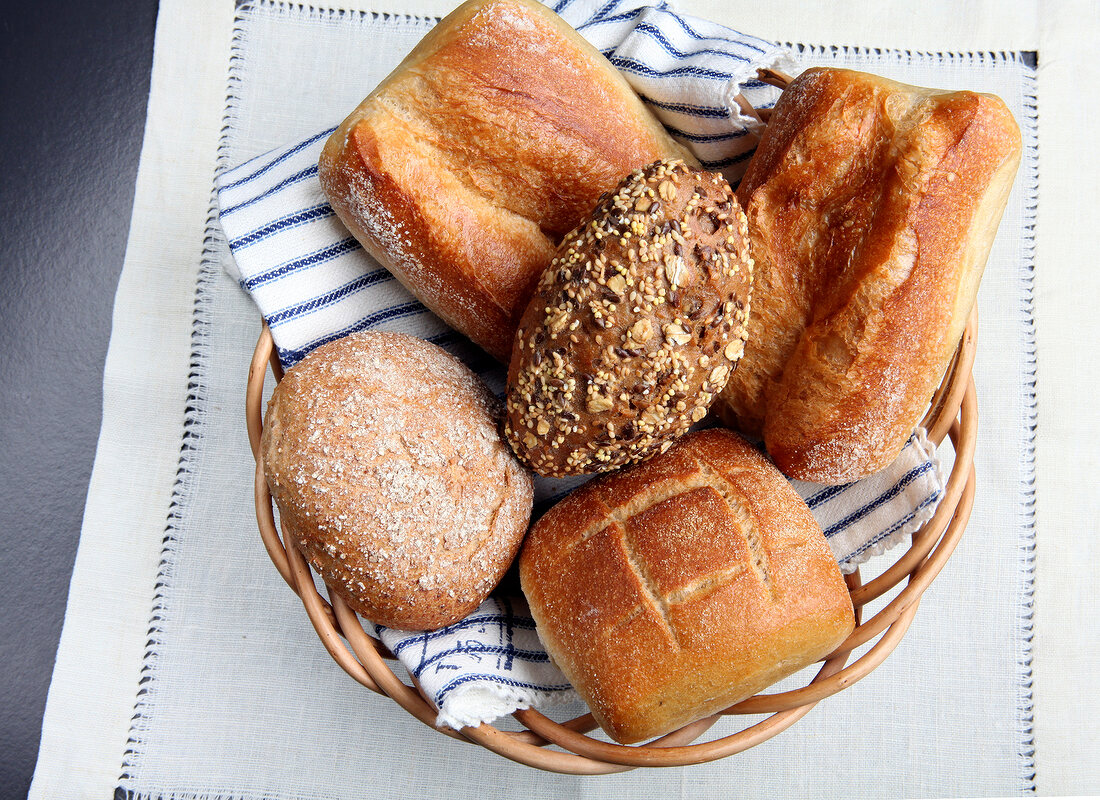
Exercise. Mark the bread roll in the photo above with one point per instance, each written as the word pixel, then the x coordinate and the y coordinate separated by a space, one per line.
pixel 872 207
pixel 382 453
pixel 671 590
pixel 635 325
pixel 464 168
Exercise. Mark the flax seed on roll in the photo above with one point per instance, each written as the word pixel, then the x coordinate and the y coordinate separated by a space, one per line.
pixel 635 326
pixel 383 454
pixel 673 589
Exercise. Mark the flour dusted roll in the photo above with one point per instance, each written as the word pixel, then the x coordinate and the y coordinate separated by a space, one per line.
pixel 493 138
pixel 673 589
pixel 382 453
pixel 872 208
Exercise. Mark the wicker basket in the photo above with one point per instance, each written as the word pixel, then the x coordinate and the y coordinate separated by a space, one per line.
pixel 953 412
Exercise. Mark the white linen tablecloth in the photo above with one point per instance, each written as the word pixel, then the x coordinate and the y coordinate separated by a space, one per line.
pixel 234 695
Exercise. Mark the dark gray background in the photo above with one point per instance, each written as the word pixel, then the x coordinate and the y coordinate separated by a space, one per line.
pixel 74 81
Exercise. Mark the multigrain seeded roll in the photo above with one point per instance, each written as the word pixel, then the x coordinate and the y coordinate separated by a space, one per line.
pixel 383 454
pixel 635 326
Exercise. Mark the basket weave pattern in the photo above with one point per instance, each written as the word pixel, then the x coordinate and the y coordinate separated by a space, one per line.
pixel 952 413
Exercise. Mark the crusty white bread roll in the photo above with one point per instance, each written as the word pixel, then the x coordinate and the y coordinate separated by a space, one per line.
pixel 383 454
pixel 464 168
pixel 634 327
pixel 872 208
pixel 672 589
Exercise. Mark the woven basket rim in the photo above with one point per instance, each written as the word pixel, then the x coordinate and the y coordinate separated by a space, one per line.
pixel 952 413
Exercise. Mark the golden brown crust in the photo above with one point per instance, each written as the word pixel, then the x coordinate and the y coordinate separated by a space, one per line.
pixel 490 141
pixel 383 455
pixel 635 325
pixel 872 207
pixel 673 589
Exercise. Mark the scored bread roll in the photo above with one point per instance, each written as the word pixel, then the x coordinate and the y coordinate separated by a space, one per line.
pixel 872 208
pixel 383 455
pixel 634 327
pixel 675 588
pixel 493 138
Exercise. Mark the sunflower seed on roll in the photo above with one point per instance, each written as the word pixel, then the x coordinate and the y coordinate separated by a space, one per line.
pixel 634 327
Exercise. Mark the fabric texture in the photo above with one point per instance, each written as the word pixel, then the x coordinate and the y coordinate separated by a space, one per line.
pixel 484 667
pixel 188 669
pixel 314 283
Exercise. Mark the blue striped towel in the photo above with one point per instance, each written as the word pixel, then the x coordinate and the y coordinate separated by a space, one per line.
pixel 313 283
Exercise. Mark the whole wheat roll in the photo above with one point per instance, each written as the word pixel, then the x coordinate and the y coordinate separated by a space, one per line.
pixel 383 455
pixel 635 326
